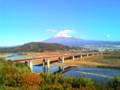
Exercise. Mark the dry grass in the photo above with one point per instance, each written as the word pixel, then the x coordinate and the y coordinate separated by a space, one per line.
pixel 43 54
pixel 4 54
pixel 86 61
pixel 94 61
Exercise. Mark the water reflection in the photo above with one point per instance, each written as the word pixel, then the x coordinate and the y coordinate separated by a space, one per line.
pixel 45 69
pixel 99 74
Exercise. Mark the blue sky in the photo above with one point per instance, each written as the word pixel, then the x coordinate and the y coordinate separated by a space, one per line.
pixel 23 21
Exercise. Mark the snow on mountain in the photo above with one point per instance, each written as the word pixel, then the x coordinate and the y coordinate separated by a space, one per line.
pixel 63 38
pixel 62 34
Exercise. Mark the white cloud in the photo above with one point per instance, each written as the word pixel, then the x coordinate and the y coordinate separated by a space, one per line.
pixel 64 33
pixel 51 30
pixel 108 35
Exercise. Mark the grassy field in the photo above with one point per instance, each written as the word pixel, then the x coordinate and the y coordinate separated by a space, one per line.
pixel 108 59
pixel 4 54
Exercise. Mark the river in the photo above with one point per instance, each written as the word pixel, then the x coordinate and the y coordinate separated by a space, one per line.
pixel 99 74
pixel 15 56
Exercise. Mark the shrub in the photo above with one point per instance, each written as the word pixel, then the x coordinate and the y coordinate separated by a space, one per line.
pixel 30 81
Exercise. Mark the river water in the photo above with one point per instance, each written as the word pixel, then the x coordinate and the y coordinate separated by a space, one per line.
pixel 99 74
pixel 15 56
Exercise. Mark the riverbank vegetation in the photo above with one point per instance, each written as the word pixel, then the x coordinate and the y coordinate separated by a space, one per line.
pixel 19 77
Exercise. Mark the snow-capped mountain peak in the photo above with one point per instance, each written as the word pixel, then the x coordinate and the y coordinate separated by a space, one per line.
pixel 62 34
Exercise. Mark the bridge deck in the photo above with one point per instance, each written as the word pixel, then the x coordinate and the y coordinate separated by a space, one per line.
pixel 56 57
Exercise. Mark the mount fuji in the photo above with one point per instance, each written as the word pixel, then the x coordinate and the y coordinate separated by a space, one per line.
pixel 65 39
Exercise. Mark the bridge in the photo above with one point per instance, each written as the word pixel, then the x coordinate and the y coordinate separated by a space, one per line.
pixel 56 58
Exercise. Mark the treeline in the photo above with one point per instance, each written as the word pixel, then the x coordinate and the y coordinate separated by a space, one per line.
pixel 19 77
pixel 35 47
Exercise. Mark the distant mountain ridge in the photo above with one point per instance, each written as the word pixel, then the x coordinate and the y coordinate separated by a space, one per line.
pixel 35 47
pixel 72 41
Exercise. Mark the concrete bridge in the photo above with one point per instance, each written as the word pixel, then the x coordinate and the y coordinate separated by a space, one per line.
pixel 55 58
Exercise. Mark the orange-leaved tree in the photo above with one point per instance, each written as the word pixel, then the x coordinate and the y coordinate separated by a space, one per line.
pixel 31 81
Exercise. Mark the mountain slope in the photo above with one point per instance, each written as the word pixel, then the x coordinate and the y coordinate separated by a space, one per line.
pixel 35 47
pixel 72 41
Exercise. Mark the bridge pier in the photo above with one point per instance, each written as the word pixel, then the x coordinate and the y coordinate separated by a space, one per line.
pixel 48 64
pixel 63 60
pixel 44 70
pixel 62 68
pixel 43 63
pixel 87 55
pixel 73 57
pixel 59 59
pixel 59 68
pixel 31 65
pixel 81 56
pixel 48 70
pixel 26 63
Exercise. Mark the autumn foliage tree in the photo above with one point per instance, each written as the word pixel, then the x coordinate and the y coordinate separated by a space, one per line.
pixel 31 81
